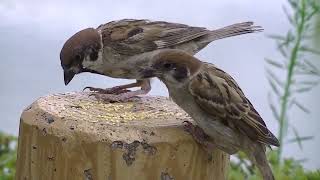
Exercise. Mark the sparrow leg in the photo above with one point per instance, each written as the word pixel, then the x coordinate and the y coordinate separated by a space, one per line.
pixel 124 97
pixel 108 98
pixel 199 136
pixel 114 90
pixel 117 89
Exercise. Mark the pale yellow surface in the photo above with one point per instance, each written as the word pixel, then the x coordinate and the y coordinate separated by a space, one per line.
pixel 73 137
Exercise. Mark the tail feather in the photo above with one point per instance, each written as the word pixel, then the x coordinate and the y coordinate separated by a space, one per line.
pixel 233 30
pixel 258 156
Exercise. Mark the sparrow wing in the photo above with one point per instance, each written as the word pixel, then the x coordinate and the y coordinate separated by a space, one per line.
pixel 217 93
pixel 131 37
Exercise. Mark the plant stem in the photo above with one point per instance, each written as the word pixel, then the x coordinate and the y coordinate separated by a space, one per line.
pixel 292 63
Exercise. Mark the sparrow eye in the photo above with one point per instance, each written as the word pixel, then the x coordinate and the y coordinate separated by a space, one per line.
pixel 66 66
pixel 167 65
pixel 78 57
pixel 94 55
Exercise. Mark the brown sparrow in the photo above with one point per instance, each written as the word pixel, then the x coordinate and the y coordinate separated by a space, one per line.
pixel 216 102
pixel 115 49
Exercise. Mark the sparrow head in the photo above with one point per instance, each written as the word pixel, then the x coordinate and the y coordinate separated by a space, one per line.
pixel 80 49
pixel 172 66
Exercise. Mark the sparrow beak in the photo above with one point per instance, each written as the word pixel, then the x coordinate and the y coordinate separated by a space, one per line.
pixel 68 75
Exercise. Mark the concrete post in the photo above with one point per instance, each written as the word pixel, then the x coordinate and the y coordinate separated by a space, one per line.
pixel 73 136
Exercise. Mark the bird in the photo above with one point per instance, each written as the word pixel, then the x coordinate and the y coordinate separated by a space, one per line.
pixel 115 48
pixel 216 103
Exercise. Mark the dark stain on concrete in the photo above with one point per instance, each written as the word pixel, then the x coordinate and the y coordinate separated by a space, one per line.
pixel 166 176
pixel 47 118
pixel 148 149
pixel 130 149
pixel 87 174
pixel 129 155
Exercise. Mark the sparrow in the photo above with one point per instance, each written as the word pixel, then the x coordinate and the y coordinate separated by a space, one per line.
pixel 116 49
pixel 216 103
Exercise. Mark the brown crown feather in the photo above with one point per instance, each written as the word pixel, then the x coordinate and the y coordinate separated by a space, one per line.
pixel 84 38
pixel 179 57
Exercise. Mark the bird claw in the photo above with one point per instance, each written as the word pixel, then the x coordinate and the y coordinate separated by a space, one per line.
pixel 114 90
pixel 111 98
pixel 188 126
pixel 199 136
pixel 195 131
pixel 107 98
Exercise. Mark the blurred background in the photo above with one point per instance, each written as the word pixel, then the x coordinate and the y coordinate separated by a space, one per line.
pixel 32 34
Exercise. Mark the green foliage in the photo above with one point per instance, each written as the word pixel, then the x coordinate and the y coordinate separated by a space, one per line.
pixel 301 74
pixel 8 151
pixel 316 40
pixel 288 169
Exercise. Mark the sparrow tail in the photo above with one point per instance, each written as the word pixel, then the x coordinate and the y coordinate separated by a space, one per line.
pixel 259 158
pixel 232 30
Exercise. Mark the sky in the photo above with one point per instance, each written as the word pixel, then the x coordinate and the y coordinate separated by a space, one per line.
pixel 33 33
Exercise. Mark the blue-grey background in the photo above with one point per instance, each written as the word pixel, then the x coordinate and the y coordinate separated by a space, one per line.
pixel 33 32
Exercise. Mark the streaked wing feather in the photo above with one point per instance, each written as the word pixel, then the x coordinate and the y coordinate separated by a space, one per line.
pixel 218 94
pixel 180 35
pixel 131 37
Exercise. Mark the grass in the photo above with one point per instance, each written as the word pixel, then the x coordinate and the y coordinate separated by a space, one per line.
pixel 8 154
pixel 289 169
pixel 301 75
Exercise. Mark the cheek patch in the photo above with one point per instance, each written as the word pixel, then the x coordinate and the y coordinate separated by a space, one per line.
pixel 180 73
pixel 94 56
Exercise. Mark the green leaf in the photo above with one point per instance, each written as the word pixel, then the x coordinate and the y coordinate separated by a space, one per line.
pixel 290 37
pixel 277 37
pixel 285 125
pixel 303 138
pixel 304 160
pixel 307 36
pixel 307 72
pixel 282 50
pixel 7 156
pixel 300 106
pixel 312 66
pixel 313 12
pixel 292 48
pixel 303 89
pixel 293 4
pixel 274 78
pixel 296 134
pixel 309 50
pixel 275 113
pixel 274 87
pixel 289 16
pixel 305 86
pixel 300 139
pixel 309 83
pixel 274 63
pixel 306 69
